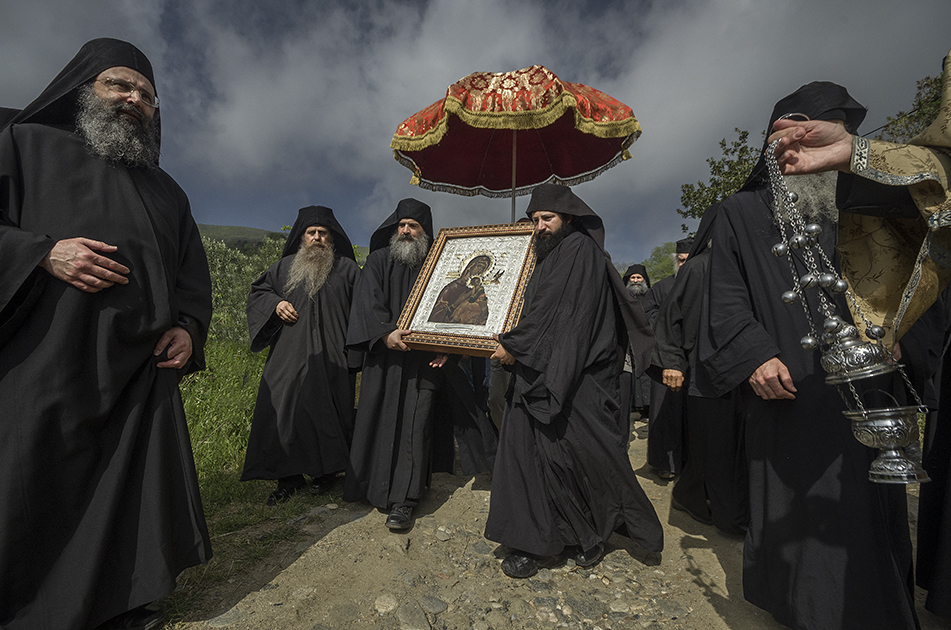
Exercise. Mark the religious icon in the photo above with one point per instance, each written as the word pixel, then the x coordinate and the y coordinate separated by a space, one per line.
pixel 463 300
pixel 469 288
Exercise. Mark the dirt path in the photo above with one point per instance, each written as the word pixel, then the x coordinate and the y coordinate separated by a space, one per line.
pixel 349 572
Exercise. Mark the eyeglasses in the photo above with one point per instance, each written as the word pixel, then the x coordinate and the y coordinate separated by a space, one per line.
pixel 124 88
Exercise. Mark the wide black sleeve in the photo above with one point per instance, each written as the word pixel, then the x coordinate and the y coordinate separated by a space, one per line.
pixel 266 293
pixel 732 343
pixel 370 315
pixel 20 250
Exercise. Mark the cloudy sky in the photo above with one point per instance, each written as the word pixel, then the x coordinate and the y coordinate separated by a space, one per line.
pixel 271 105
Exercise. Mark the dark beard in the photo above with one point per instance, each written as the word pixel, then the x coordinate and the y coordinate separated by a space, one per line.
pixel 310 268
pixel 637 289
pixel 412 252
pixel 545 245
pixel 113 136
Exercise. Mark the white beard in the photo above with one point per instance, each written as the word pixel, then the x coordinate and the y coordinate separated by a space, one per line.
pixel 310 268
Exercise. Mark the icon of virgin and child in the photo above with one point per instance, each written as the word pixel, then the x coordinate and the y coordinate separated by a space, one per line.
pixel 463 300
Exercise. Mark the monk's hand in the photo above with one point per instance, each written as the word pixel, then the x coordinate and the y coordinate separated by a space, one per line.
pixel 394 340
pixel 502 354
pixel 285 310
pixel 674 379
pixel 811 146
pixel 771 381
pixel 75 261
pixel 179 344
pixel 439 361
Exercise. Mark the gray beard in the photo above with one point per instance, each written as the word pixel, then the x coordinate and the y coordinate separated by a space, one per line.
pixel 113 136
pixel 637 289
pixel 410 253
pixel 816 202
pixel 309 269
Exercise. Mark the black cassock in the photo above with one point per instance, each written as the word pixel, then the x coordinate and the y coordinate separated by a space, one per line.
pixel 826 548
pixel 715 468
pixel 101 509
pixel 562 476
pixel 409 413
pixel 303 417
pixel 665 428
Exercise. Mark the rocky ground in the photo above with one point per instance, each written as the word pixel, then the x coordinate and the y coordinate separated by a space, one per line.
pixel 350 572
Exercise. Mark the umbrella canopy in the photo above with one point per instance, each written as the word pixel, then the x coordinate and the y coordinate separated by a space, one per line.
pixel 503 133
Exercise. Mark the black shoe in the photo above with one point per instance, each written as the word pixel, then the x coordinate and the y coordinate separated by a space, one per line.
pixel 586 558
pixel 280 495
pixel 519 565
pixel 666 475
pixel 322 485
pixel 401 517
pixel 141 618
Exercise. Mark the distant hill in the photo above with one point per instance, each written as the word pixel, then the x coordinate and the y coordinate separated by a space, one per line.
pixel 236 236
pixel 244 238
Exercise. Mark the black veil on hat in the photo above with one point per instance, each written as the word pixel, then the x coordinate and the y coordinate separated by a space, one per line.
pixel 57 103
pixel 684 245
pixel 641 269
pixel 560 199
pixel 704 230
pixel 819 100
pixel 7 114
pixel 323 216
pixel 408 208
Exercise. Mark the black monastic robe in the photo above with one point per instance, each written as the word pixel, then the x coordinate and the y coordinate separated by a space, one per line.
pixel 401 414
pixel 665 426
pixel 562 476
pixel 101 504
pixel 303 417
pixel 826 548
pixel 713 483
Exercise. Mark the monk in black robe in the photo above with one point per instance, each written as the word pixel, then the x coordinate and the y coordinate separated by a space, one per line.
pixel 105 303
pixel 712 484
pixel 826 548
pixel 666 444
pixel 299 307
pixel 894 177
pixel 635 392
pixel 563 478
pixel 397 442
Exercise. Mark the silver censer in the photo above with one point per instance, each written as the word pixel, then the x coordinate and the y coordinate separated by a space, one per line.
pixel 846 358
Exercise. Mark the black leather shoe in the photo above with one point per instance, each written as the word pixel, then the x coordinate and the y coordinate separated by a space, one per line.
pixel 519 565
pixel 142 618
pixel 401 517
pixel 322 485
pixel 586 558
pixel 280 495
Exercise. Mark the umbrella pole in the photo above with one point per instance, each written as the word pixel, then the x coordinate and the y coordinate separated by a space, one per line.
pixel 513 175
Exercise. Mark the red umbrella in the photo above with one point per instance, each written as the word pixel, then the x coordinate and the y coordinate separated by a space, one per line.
pixel 503 133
